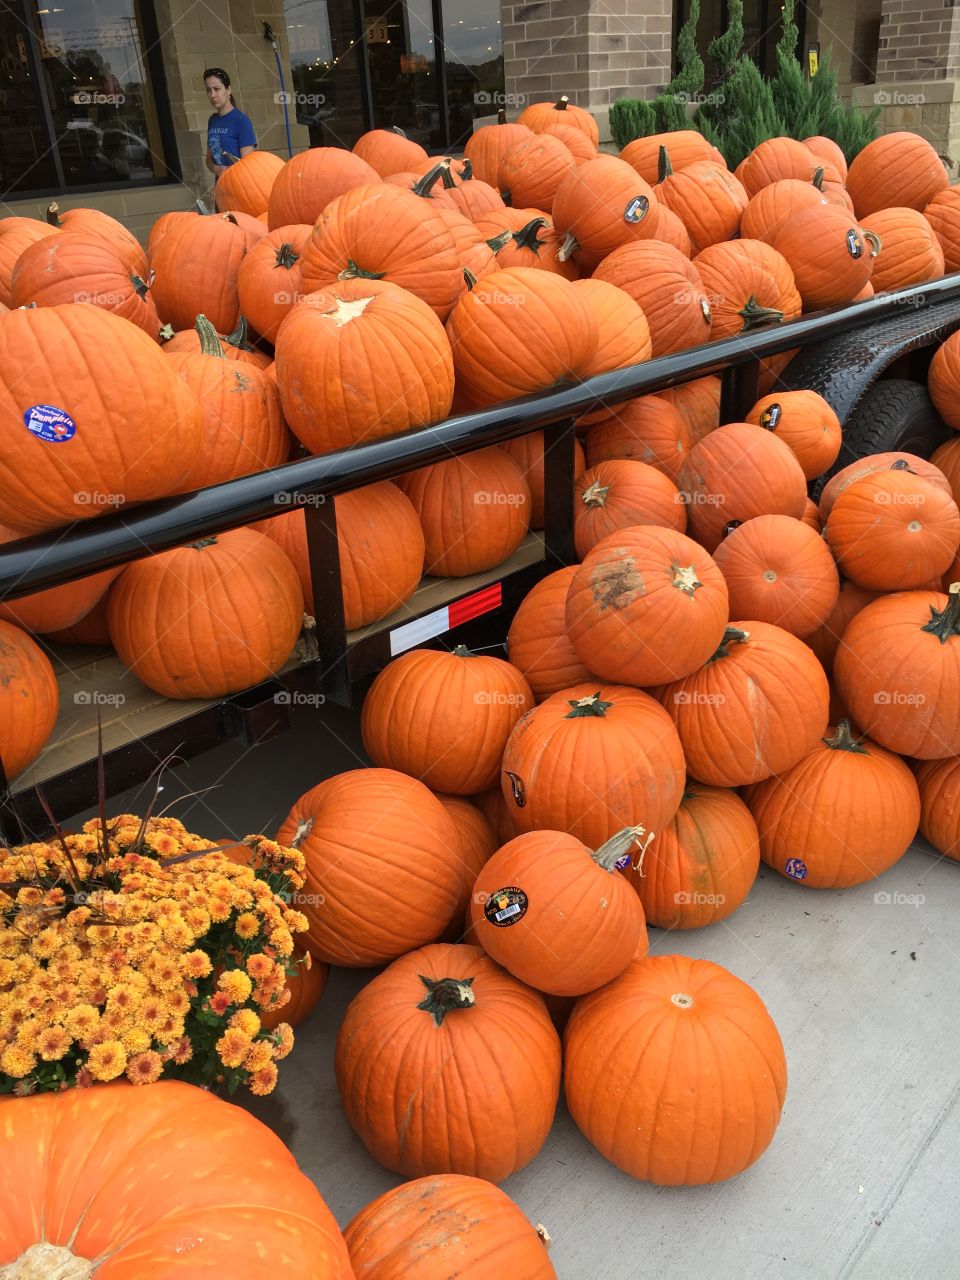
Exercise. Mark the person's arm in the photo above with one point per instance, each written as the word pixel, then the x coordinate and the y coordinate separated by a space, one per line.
pixel 245 151
pixel 214 168
pixel 246 137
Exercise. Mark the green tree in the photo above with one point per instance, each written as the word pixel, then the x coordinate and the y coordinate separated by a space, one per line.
pixel 791 91
pixel 631 118
pixel 750 116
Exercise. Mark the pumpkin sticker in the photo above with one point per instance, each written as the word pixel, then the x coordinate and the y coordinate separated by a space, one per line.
pixel 796 868
pixel 771 416
pixel 854 243
pixel 47 422
pixel 637 209
pixel 506 906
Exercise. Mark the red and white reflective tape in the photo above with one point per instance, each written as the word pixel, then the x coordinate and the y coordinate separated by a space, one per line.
pixel 441 620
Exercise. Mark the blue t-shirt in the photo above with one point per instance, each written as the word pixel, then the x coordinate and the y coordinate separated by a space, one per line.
pixel 228 134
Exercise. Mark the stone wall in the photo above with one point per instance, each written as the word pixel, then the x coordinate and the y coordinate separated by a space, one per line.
pixel 919 40
pixel 851 32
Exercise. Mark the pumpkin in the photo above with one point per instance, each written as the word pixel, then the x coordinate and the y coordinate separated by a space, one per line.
pixel 668 289
pixel 372 838
pixel 943 381
pixel 806 424
pixel 946 458
pixel 309 181
pixel 473 199
pixel 599 206
pixel 541 114
pixel 707 199
pixel 684 147
pixel 937 781
pixel 773 206
pixel 591 760
pixel 29 700
pixel 895 169
pixel 243 427
pixel 57 607
pixel 735 473
pixel 700 868
pixel 898 671
pixel 873 463
pixel 444 717
pixel 476 254
pixel 528 453
pixel 650 582
pixel 754 710
pixel 359 360
pixel 911 252
pixel 779 570
pixel 486 147
pixel 579 144
pixel 537 642
pixel 645 428
pixel 892 530
pixel 237 584
pixel 828 636
pixel 776 159
pixel 675 1072
pixel 517 331
pixel 474 510
pixel 672 231
pixel 234 344
pixel 841 816
pixel 168 1167
pixel 477 844
pixel 493 805
pixel 382 232
pixel 78 267
pixel 532 170
pixel 245 186
pixel 195 269
pixel 828 150
pixel 380 548
pixel 431 1049
pixel 268 282
pixel 253 229
pixel 830 256
pixel 624 334
pixel 557 914
pixel 91 628
pixel 698 403
pixel 95 222
pixel 306 986
pixel 16 235
pixel 89 443
pixel 811 515
pixel 388 151
pixel 748 285
pixel 621 493
pixel 451 1224
pixel 533 241
pixel 943 216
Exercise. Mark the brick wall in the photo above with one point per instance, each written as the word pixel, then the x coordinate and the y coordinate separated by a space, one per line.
pixel 851 32
pixel 919 40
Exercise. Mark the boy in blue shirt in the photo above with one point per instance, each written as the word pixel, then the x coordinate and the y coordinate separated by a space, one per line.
pixel 230 134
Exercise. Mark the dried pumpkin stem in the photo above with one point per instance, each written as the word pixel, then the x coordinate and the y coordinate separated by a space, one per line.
pixel 209 338
pixel 596 494
pixel 568 248
pixel 496 243
pixel 753 315
pixel 53 214
pixel 353 272
pixel 843 740
pixel 286 255
pixel 48 1262
pixel 526 237
pixel 502 115
pixel 461 651
pixel 664 167
pixel 732 635
pixel 445 994
pixel 140 285
pixel 610 853
pixel 817 179
pixel 592 706
pixel 945 623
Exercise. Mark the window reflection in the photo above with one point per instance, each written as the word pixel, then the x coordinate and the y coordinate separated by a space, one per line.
pixel 26 159
pixel 403 69
pixel 326 68
pixel 474 54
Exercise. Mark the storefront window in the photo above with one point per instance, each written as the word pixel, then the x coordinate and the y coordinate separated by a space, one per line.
pixel 325 60
pixel 403 69
pixel 474 54
pixel 26 158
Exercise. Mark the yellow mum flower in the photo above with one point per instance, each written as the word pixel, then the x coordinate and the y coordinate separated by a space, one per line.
pixel 107 1060
pixel 284 1038
pixel 16 1061
pixel 183 1050
pixel 136 1040
pixel 260 966
pixel 46 943
pixel 236 985
pixel 52 1044
pixel 124 998
pixel 219 910
pixel 247 926
pixel 233 1046
pixel 264 1081
pixel 282 939
pixel 259 1056
pixel 82 1021
pixel 144 1068
pixel 195 964
pixel 247 1021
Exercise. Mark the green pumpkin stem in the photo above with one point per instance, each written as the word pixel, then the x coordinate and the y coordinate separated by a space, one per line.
pixel 461 651
pixel 817 179
pixel 466 169
pixel 732 635
pixel 424 187
pixel 945 623
pixel 237 337
pixel 166 332
pixel 664 167
pixel 496 243
pixel 843 740
pixel 610 853
pixel 754 315
pixel 444 994
pixel 398 131
pixel 526 237
pixel 201 543
pixel 469 278
pixel 209 338
pixel 140 285
pixel 287 256
pixel 353 272
pixel 583 707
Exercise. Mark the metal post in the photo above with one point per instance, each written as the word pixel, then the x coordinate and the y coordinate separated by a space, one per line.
pixel 323 549
pixel 740 391
pixel 558 480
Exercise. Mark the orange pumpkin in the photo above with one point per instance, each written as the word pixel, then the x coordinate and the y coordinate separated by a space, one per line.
pixel 827 638
pixel 645 428
pixel 620 493
pixel 624 333
pixel 16 235
pixel 748 285
pixel 947 460
pixel 268 282
pixel 601 205
pixel 532 171
pixel 943 381
pixel 537 642
pixel 245 186
pixel 234 345
pixel 830 256
pixel 806 424
pixel 309 181
pixel 896 169
pixel 911 252
pixel 773 206
pixel 533 241
pixel 684 147
pixel 528 453
pixel 943 216
pixel 698 403
pixel 57 607
pixel 493 805
pixel 939 810
pixel 668 289
pixel 91 629
pixel 306 986
pixel 195 267
pixel 672 231
pixel 388 151
pixel 486 147
pixel 478 843
pixel 29 700
pixel 811 515
pixel 541 114
pixel 578 143
pixel 872 463
pixel 476 253
pixel 828 150
pixel 707 199
pixel 95 222
pixel 776 159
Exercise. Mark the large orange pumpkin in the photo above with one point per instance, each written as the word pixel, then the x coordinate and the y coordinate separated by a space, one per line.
pixel 748 285
pixel 579 144
pixel 528 453
pixel 96 222
pixel 268 283
pixel 245 186
pixel 309 181
pixel 668 289
pixel 675 1072
pixel 16 235
pixel 624 333
pixel 684 147
pixel 477 843
pixel 872 463
pixel 486 147
pixel 620 493
pixel 830 256
pixel 775 159
pixel 773 206
pixel 939 783
pixel 168 1167
pixel 29 700
pixel 532 241
pixel 946 458
pixel 828 636
pixel 646 428
pixel 707 199
pixel 943 216
pixel 943 380
pixel 806 423
pixel 431 1049
pixel 895 169
pixel 698 403
pixel 911 252
pixel 601 205
pixel 195 267
pixel 828 150
pixel 537 642
pixel 539 115
pixel 532 171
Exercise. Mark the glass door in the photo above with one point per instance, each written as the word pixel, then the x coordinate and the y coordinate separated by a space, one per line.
pixel 404 84
pixel 26 155
pixel 326 63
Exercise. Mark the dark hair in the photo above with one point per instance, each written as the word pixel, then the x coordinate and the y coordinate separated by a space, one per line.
pixel 222 76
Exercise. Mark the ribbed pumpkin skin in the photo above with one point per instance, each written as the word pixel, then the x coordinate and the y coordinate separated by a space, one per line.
pixel 668 289
pixel 528 453
pixel 100 371
pixel 698 403
pixel 671 231
pixel 911 252
pixel 830 258
pixel 517 331
pixel 943 215
pixel 537 642
pixel 532 171
pixel 701 867
pixel 474 510
pixel 178 1165
pixel 755 710
pixel 16 235
pixel 742 274
pixel 195 266
pixel 309 181
pixel 806 424
pixel 838 817
pixel 582 925
pixel 774 160
pixel 707 199
pixel 737 472
pixel 617 494
pixel 684 147
pixel 603 203
pixel 811 515
pixel 91 629
pixel 895 169
pixel 306 987
pixel 390 232
pixel 900 682
pixel 450 1224
pixel 648 429
pixel 647 605
pixel 29 699
pixel 893 531
pixel 779 570
pixel 359 360
pixel 246 185
pixel 827 638
pixel 774 205
pixel 371 839
pixel 624 332
pixel 534 241
pixel 947 459
pixel 388 152
pixel 580 146
pixel 268 282
pixel 486 147
pixel 237 584
pixel 380 546
pixel 421 1096
pixel 593 775
pixel 943 381
pixel 477 844
pixel 95 222
pixel 939 783
pixel 541 114
pixel 678 1094
pixel 493 805
pixel 828 150
pixel 444 717
pixel 58 607
pixel 873 463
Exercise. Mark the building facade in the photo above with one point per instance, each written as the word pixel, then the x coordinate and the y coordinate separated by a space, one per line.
pixel 102 101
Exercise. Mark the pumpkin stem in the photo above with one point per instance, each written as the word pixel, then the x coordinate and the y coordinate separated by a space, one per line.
pixel 201 208
pixel 561 103
pixel 237 337
pixel 286 256
pixel 902 464
pixel 592 706
pixel 610 853
pixel 544 1234
pixel 353 272
pixel 48 1260
pixel 140 285
pixel 53 214
pixel 466 170
pixel 303 830
pixel 596 494
pixel 469 277
pixel 496 243
pixel 732 635
pixel 429 179
pixel 506 197
pixel 873 240
pixel 664 167
pixel 398 131
pixel 166 332
pixel 209 338
pixel 445 994
pixel 526 237
pixel 843 740
pixel 516 784
pixel 201 543
pixel 945 623
pixel 568 248
pixel 754 315
pixel 502 116
pixel 817 179
pixel 461 651
pixel 685 578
